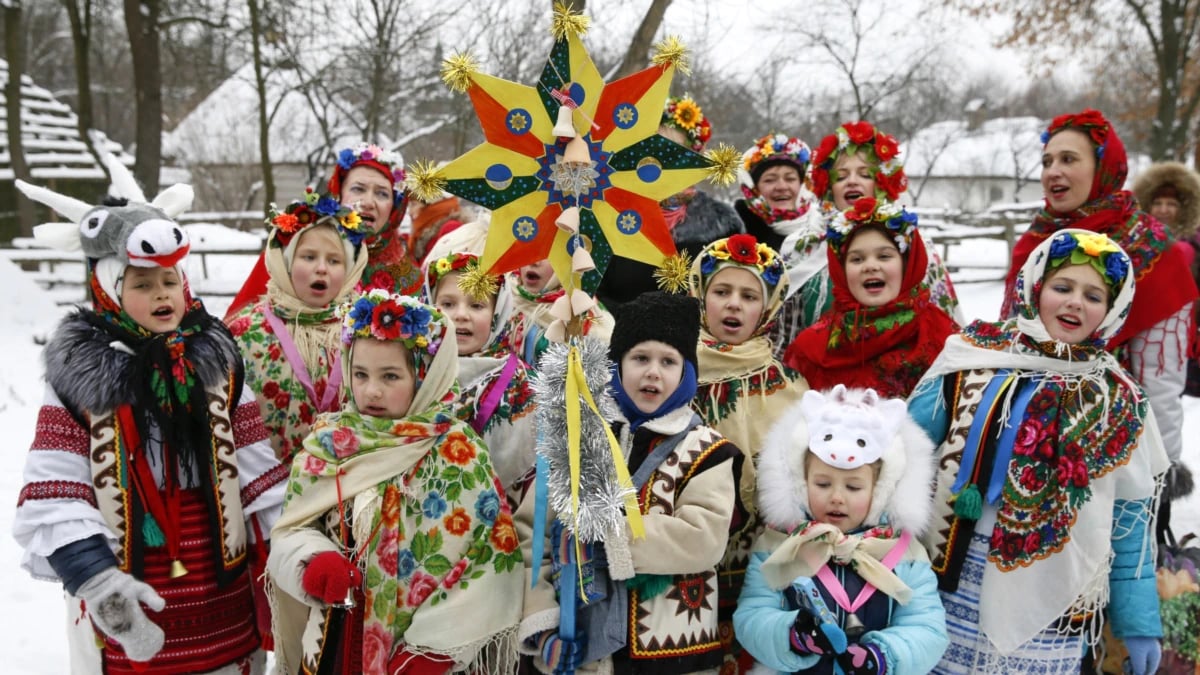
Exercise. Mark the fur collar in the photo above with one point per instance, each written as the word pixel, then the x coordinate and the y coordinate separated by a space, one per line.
pixel 92 373
pixel 902 495
pixel 1186 181
pixel 707 221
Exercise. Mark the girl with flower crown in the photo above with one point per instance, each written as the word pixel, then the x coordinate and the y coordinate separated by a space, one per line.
pixel 1049 467
pixel 694 218
pixel 743 389
pixel 395 528
pixel 1083 170
pixel 856 161
pixel 496 398
pixel 290 339
pixel 369 180
pixel 883 330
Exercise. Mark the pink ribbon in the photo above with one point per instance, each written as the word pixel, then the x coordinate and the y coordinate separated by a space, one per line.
pixel 330 402
pixel 838 592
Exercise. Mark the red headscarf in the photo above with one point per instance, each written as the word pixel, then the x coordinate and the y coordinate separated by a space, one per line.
pixel 887 348
pixel 1161 263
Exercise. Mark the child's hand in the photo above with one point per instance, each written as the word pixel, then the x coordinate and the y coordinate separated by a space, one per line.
pixel 114 601
pixel 862 659
pixel 329 577
pixel 809 637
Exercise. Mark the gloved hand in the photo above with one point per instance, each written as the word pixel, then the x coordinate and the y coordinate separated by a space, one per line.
pixel 1179 482
pixel 1144 655
pixel 561 654
pixel 809 637
pixel 112 598
pixel 862 659
pixel 329 577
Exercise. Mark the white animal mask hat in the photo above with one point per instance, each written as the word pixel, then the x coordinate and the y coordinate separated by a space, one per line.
pixel 849 436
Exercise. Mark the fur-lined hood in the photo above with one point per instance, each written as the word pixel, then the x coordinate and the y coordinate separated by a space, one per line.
pixel 91 372
pixel 902 495
pixel 707 221
pixel 1186 181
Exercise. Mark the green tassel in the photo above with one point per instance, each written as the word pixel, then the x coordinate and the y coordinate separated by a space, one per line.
pixel 968 505
pixel 152 534
pixel 649 586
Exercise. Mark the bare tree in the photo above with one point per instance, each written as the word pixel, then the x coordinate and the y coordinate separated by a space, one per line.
pixel 79 13
pixel 14 53
pixel 260 86
pixel 636 57
pixel 142 23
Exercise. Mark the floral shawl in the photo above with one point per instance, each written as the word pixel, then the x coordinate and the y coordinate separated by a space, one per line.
pixel 431 528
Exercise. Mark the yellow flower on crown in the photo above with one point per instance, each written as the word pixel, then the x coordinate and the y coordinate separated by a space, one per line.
pixel 687 114
pixel 1096 244
pixel 443 266
pixel 351 220
pixel 719 251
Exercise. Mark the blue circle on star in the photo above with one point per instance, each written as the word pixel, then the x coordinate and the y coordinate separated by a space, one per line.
pixel 525 228
pixel 625 116
pixel 498 176
pixel 649 169
pixel 518 121
pixel 629 222
pixel 575 91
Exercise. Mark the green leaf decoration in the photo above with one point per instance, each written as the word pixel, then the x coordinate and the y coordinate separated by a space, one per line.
pixel 437 565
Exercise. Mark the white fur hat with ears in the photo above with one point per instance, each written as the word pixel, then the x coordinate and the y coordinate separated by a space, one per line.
pixel 848 428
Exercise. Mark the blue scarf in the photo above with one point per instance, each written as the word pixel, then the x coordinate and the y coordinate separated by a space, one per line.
pixel 682 396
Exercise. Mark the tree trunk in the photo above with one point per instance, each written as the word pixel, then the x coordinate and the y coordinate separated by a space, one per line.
pixel 141 22
pixel 14 52
pixel 635 57
pixel 264 123
pixel 81 41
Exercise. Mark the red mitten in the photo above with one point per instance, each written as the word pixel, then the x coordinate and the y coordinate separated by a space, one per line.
pixel 408 663
pixel 329 577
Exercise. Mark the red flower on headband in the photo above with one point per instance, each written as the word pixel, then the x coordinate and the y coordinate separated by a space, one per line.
pixel 1090 120
pixel 743 248
pixel 891 185
pixel 859 132
pixel 862 209
pixel 286 222
pixel 886 147
pixel 825 150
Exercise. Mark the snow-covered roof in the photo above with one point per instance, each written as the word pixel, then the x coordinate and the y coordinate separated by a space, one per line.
pixel 50 136
pixel 1003 148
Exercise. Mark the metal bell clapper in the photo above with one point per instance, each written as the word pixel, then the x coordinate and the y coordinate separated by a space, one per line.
pixel 177 569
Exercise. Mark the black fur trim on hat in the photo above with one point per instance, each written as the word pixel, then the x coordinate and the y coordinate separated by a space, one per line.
pixel 665 317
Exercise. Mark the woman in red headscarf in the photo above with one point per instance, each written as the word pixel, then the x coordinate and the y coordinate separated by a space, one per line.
pixel 1083 171
pixel 883 330
pixel 371 181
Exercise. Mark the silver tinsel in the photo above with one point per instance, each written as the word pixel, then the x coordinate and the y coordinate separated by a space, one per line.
pixel 601 498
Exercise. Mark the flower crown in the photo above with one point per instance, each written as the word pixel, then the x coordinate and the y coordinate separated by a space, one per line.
pixel 901 224
pixel 882 151
pixel 371 153
pixel 1096 250
pixel 746 251
pixel 392 317
pixel 684 114
pixel 1090 122
pixel 313 209
pixel 778 147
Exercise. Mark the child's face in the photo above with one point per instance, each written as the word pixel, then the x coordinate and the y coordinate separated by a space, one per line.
pixel 733 305
pixel 370 193
pixel 382 378
pixel 153 297
pixel 319 267
pixel 1073 302
pixel 840 497
pixel 874 268
pixel 650 373
pixel 472 318
pixel 535 277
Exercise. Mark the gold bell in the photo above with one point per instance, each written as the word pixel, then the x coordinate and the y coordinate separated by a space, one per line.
pixel 177 569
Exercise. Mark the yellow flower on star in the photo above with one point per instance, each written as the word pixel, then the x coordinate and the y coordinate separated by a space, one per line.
pixel 1095 244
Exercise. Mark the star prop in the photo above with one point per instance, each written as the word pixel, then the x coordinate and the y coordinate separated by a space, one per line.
pixel 523 173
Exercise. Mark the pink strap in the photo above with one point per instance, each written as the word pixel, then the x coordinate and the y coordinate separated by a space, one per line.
pixel 838 592
pixel 330 402
pixel 491 399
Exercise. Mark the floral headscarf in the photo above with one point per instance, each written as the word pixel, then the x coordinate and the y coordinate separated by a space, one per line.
pixel 1158 262
pixel 768 151
pixel 743 251
pixel 684 114
pixel 886 348
pixel 494 287
pixel 880 150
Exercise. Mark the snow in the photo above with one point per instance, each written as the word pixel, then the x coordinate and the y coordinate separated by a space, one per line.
pixel 1004 148
pixel 32 627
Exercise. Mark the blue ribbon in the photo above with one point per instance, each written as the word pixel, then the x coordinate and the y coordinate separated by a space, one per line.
pixel 983 413
pixel 541 485
pixel 1004 447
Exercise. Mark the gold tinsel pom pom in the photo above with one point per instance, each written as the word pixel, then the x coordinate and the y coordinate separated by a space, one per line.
pixel 725 160
pixel 671 52
pixel 425 181
pixel 566 22
pixel 672 275
pixel 477 283
pixel 458 70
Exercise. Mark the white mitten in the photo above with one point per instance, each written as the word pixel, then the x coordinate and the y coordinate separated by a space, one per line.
pixel 113 598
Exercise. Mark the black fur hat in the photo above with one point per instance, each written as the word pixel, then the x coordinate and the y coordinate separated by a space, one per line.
pixel 668 318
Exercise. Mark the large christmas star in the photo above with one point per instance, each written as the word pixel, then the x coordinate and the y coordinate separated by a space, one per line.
pixel 520 172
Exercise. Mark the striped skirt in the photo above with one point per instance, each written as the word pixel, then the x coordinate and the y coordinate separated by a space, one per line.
pixel 1049 652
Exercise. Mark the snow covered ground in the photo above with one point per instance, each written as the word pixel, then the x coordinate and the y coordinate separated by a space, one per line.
pixel 33 621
